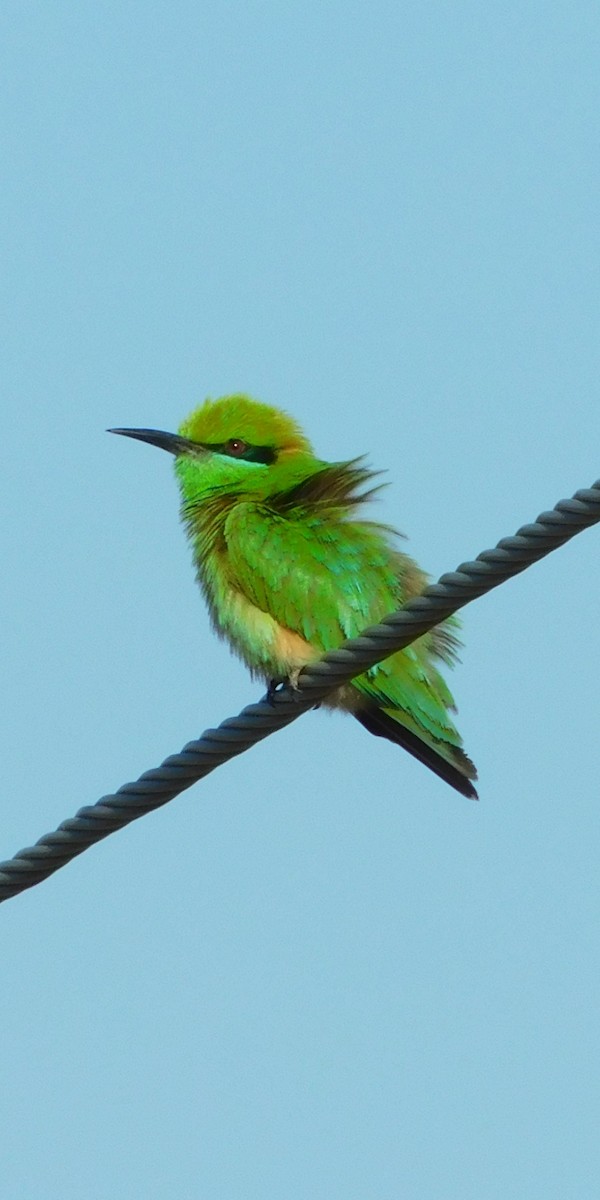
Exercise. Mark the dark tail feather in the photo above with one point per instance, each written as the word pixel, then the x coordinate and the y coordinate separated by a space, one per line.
pixel 378 722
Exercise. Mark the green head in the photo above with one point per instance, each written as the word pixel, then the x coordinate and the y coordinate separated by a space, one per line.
pixel 231 445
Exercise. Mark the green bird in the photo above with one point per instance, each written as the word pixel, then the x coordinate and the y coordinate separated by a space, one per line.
pixel 289 570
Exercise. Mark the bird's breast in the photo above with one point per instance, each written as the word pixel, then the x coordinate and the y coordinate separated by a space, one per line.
pixel 268 648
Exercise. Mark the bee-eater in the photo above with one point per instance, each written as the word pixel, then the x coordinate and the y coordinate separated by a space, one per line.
pixel 288 570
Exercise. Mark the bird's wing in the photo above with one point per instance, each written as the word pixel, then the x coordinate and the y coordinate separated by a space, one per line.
pixel 326 581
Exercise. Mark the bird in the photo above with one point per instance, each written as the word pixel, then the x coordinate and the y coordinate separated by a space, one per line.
pixel 290 567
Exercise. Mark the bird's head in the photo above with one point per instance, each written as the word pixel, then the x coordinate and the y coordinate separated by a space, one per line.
pixel 230 444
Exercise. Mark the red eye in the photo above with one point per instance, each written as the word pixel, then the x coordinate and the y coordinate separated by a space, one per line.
pixel 236 447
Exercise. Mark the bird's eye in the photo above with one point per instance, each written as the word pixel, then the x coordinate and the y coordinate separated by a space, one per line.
pixel 236 447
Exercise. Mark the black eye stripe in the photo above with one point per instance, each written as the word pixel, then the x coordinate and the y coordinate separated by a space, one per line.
pixel 258 454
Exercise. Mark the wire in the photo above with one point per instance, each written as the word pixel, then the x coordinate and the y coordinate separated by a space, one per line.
pixel 237 734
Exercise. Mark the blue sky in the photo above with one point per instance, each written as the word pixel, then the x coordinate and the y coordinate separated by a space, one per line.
pixel 319 974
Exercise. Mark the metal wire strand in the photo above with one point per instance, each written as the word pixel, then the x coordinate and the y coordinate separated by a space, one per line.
pixel 237 734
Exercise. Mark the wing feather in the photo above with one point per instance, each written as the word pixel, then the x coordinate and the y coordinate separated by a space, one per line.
pixel 325 578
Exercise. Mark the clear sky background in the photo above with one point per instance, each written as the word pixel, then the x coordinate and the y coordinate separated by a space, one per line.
pixel 320 974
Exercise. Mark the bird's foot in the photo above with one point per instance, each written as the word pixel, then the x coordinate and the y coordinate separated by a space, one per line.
pixel 272 689
pixel 293 678
pixel 290 680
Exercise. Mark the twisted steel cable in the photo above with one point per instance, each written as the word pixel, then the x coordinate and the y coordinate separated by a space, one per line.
pixel 197 759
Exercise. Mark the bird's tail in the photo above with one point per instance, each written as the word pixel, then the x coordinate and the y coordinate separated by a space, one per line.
pixel 448 761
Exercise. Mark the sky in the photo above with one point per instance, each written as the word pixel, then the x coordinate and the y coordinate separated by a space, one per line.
pixel 320 973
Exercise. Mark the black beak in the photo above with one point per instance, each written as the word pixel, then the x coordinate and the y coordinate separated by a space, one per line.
pixel 165 441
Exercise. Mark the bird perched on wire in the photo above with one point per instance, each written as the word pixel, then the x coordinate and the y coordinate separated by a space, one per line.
pixel 290 569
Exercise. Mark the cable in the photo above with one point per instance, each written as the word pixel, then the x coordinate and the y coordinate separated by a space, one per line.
pixel 235 735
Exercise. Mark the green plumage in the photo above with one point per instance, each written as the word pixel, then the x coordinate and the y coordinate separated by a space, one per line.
pixel 290 570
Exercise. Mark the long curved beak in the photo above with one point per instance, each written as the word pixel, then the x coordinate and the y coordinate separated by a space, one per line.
pixel 173 442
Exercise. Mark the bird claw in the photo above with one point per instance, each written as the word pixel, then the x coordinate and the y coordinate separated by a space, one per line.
pixel 272 689
pixel 290 680
pixel 293 679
